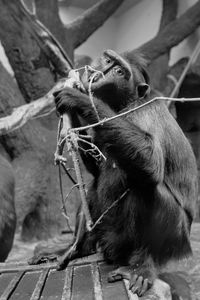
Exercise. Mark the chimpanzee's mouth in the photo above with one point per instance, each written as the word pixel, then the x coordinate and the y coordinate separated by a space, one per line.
pixel 94 77
pixel 91 78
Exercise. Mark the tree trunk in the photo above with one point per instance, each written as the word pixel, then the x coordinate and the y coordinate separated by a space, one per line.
pixel 173 34
pixel 53 22
pixel 158 68
pixel 74 34
pixel 31 150
pixel 29 63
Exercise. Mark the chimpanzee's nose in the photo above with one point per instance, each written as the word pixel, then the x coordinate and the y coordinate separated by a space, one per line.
pixel 93 75
pixel 96 76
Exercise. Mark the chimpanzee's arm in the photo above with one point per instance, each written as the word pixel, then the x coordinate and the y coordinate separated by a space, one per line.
pixel 133 149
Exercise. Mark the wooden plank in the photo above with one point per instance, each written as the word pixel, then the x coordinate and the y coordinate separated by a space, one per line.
pixel 96 281
pixel 5 279
pixel 25 267
pixel 39 286
pixel 26 286
pixel 11 286
pixel 82 287
pixel 68 284
pixel 18 266
pixel 53 288
pixel 111 290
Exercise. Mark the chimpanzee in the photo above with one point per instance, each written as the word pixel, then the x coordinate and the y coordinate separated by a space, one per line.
pixel 148 158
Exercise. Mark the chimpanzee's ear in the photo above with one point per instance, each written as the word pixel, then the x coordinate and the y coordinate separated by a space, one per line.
pixel 145 75
pixel 143 89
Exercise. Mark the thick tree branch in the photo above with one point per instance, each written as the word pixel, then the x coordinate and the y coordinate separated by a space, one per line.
pixel 169 12
pixel 46 41
pixel 55 54
pixel 47 12
pixel 51 7
pixel 34 54
pixel 173 34
pixel 24 113
pixel 91 20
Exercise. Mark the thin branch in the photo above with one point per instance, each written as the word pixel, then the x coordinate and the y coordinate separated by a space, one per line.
pixel 134 109
pixel 67 172
pixel 70 191
pixel 72 148
pixel 91 20
pixel 67 135
pixel 64 210
pixel 98 221
pixel 92 150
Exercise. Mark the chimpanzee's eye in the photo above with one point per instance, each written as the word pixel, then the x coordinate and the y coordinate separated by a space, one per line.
pixel 107 60
pixel 119 71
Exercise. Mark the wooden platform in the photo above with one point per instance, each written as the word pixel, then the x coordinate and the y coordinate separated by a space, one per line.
pixel 84 279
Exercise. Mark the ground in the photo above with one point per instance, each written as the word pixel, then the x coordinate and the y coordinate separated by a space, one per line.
pixel 23 251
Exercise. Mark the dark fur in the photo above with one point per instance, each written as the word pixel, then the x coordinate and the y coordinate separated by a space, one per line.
pixel 146 152
pixel 7 208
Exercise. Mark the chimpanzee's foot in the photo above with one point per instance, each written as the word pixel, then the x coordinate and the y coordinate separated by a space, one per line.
pixel 48 252
pixel 140 280
pixel 42 258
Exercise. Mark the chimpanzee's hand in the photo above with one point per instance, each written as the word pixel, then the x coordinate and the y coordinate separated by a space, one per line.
pixel 67 99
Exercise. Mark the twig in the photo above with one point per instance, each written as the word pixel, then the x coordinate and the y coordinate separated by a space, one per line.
pixel 90 93
pixel 96 72
pixel 91 96
pixel 67 172
pixel 67 135
pixel 73 148
pixel 63 202
pixel 132 110
pixel 92 150
pixel 72 188
pixel 109 208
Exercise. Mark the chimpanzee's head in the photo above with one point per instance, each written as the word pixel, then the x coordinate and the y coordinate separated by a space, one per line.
pixel 124 80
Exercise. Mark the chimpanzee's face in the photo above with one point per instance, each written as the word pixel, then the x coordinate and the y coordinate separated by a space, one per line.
pixel 114 72
pixel 115 83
